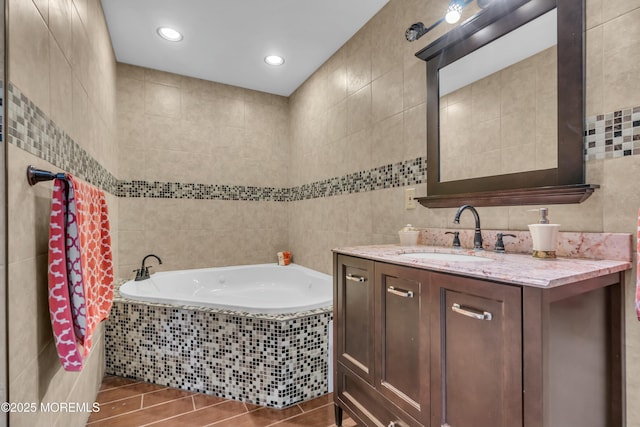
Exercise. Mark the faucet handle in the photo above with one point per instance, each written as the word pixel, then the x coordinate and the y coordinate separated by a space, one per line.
pixel 456 238
pixel 499 243
pixel 142 273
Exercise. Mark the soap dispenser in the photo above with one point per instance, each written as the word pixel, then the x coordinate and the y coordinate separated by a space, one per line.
pixel 544 236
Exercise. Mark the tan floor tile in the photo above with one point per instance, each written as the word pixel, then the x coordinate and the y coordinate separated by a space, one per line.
pixel 118 407
pixel 205 416
pixel 317 402
pixel 131 403
pixel 320 417
pixel 111 381
pixel 252 407
pixel 166 395
pixel 260 418
pixel 148 415
pixel 203 400
pixel 127 391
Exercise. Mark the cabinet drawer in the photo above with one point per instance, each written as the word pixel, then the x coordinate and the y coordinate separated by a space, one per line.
pixel 367 405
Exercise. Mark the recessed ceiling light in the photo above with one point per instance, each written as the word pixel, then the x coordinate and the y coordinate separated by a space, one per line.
pixel 274 60
pixel 169 34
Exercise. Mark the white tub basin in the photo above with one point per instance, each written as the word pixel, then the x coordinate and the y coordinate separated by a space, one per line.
pixel 439 256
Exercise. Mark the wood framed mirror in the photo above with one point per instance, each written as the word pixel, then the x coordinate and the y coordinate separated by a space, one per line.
pixel 472 155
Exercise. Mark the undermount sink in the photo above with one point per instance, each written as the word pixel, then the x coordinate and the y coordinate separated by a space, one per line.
pixel 439 256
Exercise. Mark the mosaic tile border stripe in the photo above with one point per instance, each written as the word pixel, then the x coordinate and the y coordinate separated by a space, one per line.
pixel 31 130
pixel 612 135
pixel 178 190
pixel 266 362
pixel 606 136
pixel 410 172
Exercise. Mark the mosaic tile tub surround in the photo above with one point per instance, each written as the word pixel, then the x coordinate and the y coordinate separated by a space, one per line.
pixel 274 361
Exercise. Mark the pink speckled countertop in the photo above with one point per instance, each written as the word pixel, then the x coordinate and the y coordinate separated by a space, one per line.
pixel 515 268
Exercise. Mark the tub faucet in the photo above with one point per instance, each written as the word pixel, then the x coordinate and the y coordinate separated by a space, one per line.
pixel 143 272
pixel 477 237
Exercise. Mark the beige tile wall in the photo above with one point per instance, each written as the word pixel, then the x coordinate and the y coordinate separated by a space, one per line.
pixel 365 82
pixel 60 57
pixel 181 129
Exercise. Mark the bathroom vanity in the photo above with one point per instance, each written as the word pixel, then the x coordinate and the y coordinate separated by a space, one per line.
pixel 505 341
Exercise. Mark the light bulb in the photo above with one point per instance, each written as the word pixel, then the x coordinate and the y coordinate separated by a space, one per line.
pixel 453 13
pixel 274 60
pixel 169 34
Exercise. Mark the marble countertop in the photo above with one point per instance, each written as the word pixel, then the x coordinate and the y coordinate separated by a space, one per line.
pixel 514 268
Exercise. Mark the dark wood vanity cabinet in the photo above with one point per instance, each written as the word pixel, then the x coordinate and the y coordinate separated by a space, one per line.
pixel 415 347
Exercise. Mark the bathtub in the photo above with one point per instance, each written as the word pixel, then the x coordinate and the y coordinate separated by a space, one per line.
pixel 193 330
pixel 262 288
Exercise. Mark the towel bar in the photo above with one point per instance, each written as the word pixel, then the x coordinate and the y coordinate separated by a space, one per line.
pixel 35 175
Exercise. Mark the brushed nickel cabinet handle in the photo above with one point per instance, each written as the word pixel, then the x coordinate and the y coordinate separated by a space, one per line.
pixel 485 315
pixel 400 292
pixel 358 279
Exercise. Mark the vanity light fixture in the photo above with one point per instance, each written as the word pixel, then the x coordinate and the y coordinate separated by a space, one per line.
pixel 169 34
pixel 454 12
pixel 415 31
pixel 274 60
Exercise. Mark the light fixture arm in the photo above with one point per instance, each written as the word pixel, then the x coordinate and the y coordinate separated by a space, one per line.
pixel 417 30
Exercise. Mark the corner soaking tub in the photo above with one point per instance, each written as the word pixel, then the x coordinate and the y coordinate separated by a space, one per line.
pixel 257 333
pixel 261 288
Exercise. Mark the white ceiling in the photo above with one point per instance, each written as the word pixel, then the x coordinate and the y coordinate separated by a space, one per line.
pixel 226 40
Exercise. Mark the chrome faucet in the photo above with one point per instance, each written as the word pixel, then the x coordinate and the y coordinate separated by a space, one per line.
pixel 143 272
pixel 477 237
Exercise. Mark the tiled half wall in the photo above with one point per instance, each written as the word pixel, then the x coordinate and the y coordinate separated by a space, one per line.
pixel 272 361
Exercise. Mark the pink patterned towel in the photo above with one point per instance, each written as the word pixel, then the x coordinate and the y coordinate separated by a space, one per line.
pixel 80 268
pixel 59 300
pixel 638 269
pixel 74 268
pixel 95 255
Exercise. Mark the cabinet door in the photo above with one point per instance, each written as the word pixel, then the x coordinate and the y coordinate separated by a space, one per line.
pixel 476 353
pixel 402 331
pixel 354 312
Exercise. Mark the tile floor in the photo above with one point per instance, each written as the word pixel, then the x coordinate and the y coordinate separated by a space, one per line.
pixel 130 403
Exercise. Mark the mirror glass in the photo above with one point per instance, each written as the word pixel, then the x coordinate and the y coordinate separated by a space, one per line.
pixel 498 105
pixel 508 130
